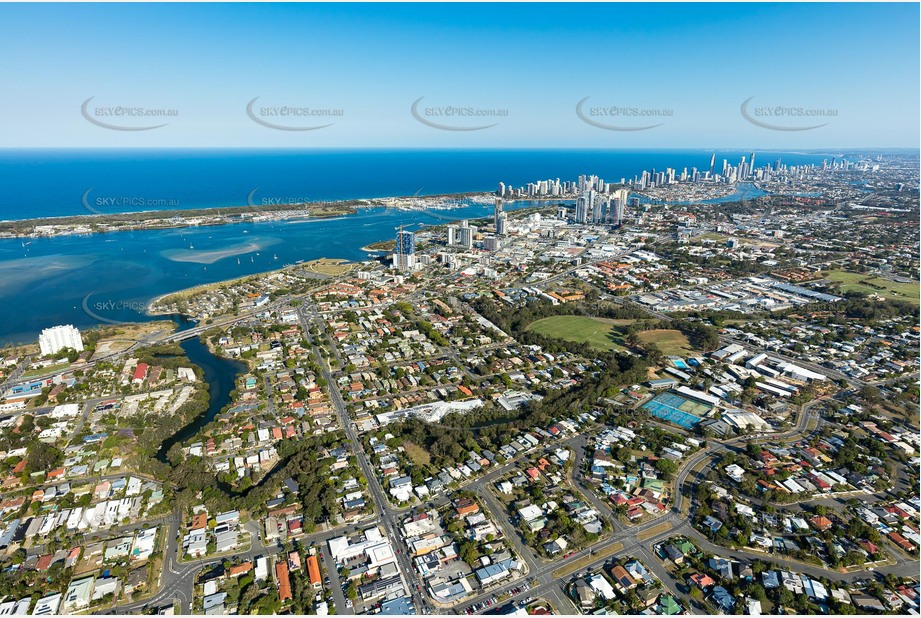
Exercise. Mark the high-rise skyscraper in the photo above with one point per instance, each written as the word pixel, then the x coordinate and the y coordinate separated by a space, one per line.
pixel 54 339
pixel 582 208
pixel 502 224
pixel 404 256
pixel 712 163
pixel 599 210
pixel 406 242
pixel 585 206
pixel 618 206
pixel 465 234
pixel 617 211
pixel 496 212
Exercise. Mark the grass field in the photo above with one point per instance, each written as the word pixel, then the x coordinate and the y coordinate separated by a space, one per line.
pixel 31 373
pixel 669 342
pixel 663 527
pixel 875 285
pixel 417 454
pixel 326 266
pixel 118 339
pixel 584 561
pixel 600 333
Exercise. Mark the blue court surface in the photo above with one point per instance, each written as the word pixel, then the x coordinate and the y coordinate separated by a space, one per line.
pixel 677 409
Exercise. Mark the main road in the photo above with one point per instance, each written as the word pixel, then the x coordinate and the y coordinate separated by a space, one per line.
pixel 546 585
pixel 388 516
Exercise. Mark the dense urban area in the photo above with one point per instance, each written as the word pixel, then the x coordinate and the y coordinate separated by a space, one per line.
pixel 689 392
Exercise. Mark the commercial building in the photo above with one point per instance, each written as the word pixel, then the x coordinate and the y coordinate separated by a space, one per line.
pixel 381 588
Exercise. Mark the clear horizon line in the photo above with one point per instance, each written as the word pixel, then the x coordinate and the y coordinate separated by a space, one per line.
pixel 469 149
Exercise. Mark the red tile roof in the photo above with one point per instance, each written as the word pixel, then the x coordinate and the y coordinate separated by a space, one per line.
pixel 284 583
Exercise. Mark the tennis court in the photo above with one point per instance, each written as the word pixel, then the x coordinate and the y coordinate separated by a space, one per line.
pixel 677 409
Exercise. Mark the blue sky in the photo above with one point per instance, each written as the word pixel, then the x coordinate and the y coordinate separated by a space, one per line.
pixel 692 65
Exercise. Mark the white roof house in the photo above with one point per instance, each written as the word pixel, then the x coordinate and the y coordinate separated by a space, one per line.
pixel 602 586
pixel 47 605
pixel 77 596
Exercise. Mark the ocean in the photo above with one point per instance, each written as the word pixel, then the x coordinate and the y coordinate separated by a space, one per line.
pixel 54 183
pixel 47 281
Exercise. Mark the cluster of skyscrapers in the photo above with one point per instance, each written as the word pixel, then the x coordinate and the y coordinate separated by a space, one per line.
pixel 603 203
pixel 557 188
pixel 597 201
pixel 745 170
pixel 726 173
pixel 461 235
pixel 602 209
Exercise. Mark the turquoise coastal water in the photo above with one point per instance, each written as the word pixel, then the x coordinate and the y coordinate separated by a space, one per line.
pixel 46 281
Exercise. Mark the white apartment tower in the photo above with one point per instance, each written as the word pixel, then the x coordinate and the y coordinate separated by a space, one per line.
pixel 51 340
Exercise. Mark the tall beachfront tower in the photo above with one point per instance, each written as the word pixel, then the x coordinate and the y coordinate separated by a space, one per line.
pixel 52 340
